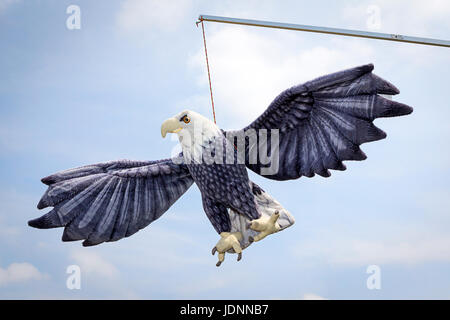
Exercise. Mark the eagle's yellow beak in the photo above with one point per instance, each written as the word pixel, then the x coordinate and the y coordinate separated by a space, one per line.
pixel 170 125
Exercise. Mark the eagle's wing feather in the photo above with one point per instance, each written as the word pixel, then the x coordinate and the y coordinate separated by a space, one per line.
pixel 111 200
pixel 322 122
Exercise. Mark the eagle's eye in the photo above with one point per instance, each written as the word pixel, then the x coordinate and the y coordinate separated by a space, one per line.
pixel 186 119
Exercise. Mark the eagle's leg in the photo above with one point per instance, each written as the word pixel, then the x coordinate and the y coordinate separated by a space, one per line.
pixel 265 226
pixel 228 240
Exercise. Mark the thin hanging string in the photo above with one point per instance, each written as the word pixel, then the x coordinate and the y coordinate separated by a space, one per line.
pixel 209 74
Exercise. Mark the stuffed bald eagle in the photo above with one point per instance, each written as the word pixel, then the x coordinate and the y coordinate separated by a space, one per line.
pixel 307 130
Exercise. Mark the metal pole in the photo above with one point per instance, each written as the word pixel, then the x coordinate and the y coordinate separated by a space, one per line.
pixel 342 32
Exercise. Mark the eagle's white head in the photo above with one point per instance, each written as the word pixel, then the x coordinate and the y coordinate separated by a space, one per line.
pixel 193 130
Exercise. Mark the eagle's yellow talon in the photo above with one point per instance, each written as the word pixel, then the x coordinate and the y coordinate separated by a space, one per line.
pixel 265 226
pixel 228 240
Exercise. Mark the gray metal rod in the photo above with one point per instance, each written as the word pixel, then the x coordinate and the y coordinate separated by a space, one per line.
pixel 342 32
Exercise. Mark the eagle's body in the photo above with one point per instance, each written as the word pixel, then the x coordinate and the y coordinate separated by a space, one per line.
pixel 223 185
pixel 317 125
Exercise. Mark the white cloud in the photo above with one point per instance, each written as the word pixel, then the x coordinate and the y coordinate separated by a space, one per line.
pixel 98 272
pixel 312 296
pixel 250 68
pixel 20 272
pixel 155 15
pixel 92 263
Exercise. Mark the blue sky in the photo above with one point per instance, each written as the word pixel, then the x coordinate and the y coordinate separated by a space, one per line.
pixel 75 97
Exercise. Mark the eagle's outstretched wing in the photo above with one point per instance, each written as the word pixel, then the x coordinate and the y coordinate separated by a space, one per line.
pixel 111 200
pixel 322 122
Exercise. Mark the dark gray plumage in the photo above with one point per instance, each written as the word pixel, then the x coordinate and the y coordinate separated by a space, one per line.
pixel 111 200
pixel 224 186
pixel 324 121
pixel 321 123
